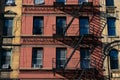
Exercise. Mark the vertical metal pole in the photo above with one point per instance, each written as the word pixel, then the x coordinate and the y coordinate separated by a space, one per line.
pixel 1 39
pixel 0 53
pixel 1 31
pixel 109 73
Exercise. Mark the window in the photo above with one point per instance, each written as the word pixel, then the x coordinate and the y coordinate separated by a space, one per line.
pixel 8 25
pixel 109 2
pixel 84 25
pixel 38 1
pixel 113 59
pixel 60 25
pixel 81 1
pixel 111 26
pixel 61 1
pixel 85 58
pixel 60 57
pixel 37 57
pixel 6 58
pixel 10 2
pixel 38 25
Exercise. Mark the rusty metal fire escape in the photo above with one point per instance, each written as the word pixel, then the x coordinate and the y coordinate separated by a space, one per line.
pixel 92 40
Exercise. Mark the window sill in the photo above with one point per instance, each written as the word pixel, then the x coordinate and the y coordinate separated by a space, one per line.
pixel 8 44
pixel 3 36
pixel 41 4
pixel 113 36
pixel 29 36
pixel 115 70
pixel 35 5
pixel 35 69
pixel 11 4
pixel 111 7
pixel 6 70
pixel 9 79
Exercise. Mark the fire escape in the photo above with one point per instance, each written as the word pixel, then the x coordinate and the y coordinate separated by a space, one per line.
pixel 91 40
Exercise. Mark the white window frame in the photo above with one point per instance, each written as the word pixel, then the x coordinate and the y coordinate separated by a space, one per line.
pixel 35 65
pixel 61 58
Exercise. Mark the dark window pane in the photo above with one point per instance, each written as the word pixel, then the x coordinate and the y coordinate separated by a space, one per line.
pixel 60 63
pixel 37 56
pixel 85 63
pixel 60 57
pixel 84 26
pixel 7 30
pixel 114 59
pixel 85 58
pixel 111 26
pixel 60 25
pixel 6 57
pixel 61 1
pixel 38 25
pixel 109 2
pixel 114 64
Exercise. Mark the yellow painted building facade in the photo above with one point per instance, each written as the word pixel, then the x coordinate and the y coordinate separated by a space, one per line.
pixel 111 38
pixel 10 39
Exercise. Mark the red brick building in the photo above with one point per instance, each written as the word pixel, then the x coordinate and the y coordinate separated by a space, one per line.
pixel 60 39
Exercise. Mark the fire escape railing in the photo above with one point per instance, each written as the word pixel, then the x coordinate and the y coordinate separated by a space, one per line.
pixel 71 65
pixel 67 27
pixel 81 37
pixel 72 31
pixel 76 14
pixel 76 46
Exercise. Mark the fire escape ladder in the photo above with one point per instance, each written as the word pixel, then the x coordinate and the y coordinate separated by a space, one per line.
pixel 73 43
pixel 78 74
pixel 97 63
pixel 100 64
pixel 85 73
pixel 102 23
pixel 100 67
pixel 105 15
pixel 75 14
pixel 92 47
pixel 82 72
pixel 77 71
pixel 110 12
pixel 76 46
pixel 68 25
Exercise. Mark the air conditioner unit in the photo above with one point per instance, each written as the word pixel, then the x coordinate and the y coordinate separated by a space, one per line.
pixel 5 66
pixel 37 66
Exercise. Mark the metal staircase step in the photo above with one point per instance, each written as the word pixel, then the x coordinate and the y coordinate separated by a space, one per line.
pixel 77 44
